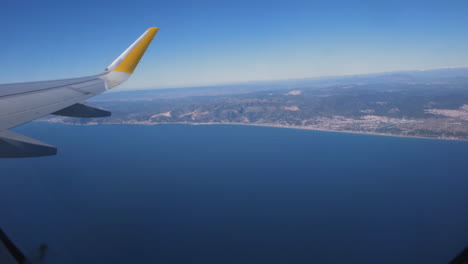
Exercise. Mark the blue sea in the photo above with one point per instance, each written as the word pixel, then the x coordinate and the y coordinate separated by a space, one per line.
pixel 236 194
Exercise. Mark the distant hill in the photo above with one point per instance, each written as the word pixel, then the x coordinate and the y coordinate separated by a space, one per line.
pixel 445 75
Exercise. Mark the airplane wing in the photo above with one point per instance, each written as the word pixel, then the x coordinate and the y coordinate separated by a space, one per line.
pixel 23 102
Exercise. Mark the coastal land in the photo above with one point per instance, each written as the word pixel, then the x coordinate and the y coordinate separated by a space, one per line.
pixel 426 104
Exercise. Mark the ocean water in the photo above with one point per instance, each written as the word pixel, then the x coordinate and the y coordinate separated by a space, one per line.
pixel 236 194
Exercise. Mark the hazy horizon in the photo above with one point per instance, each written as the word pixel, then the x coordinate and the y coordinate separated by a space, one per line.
pixel 118 89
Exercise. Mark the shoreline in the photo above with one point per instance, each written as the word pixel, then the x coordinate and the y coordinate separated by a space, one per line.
pixel 262 125
pixel 317 129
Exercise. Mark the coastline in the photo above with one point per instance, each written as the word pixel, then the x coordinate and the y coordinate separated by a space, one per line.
pixel 261 125
pixel 320 129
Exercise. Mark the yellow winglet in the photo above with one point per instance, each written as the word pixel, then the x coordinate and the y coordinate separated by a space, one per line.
pixel 131 57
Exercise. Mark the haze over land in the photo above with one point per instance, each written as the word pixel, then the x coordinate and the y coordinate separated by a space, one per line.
pixel 431 103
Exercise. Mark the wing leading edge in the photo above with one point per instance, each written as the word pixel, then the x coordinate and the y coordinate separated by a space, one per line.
pixel 24 102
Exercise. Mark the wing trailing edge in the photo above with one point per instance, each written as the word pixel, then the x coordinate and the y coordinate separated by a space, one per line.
pixel 14 145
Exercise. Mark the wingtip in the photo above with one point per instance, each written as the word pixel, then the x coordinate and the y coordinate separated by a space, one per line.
pixel 122 67
pixel 153 30
pixel 128 61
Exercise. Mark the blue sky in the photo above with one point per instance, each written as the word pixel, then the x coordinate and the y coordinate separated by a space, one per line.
pixel 217 42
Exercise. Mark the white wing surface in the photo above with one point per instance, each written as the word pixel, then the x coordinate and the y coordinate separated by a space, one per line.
pixel 23 102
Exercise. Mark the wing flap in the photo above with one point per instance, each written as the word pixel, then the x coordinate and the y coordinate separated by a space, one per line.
pixel 83 110
pixel 14 145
